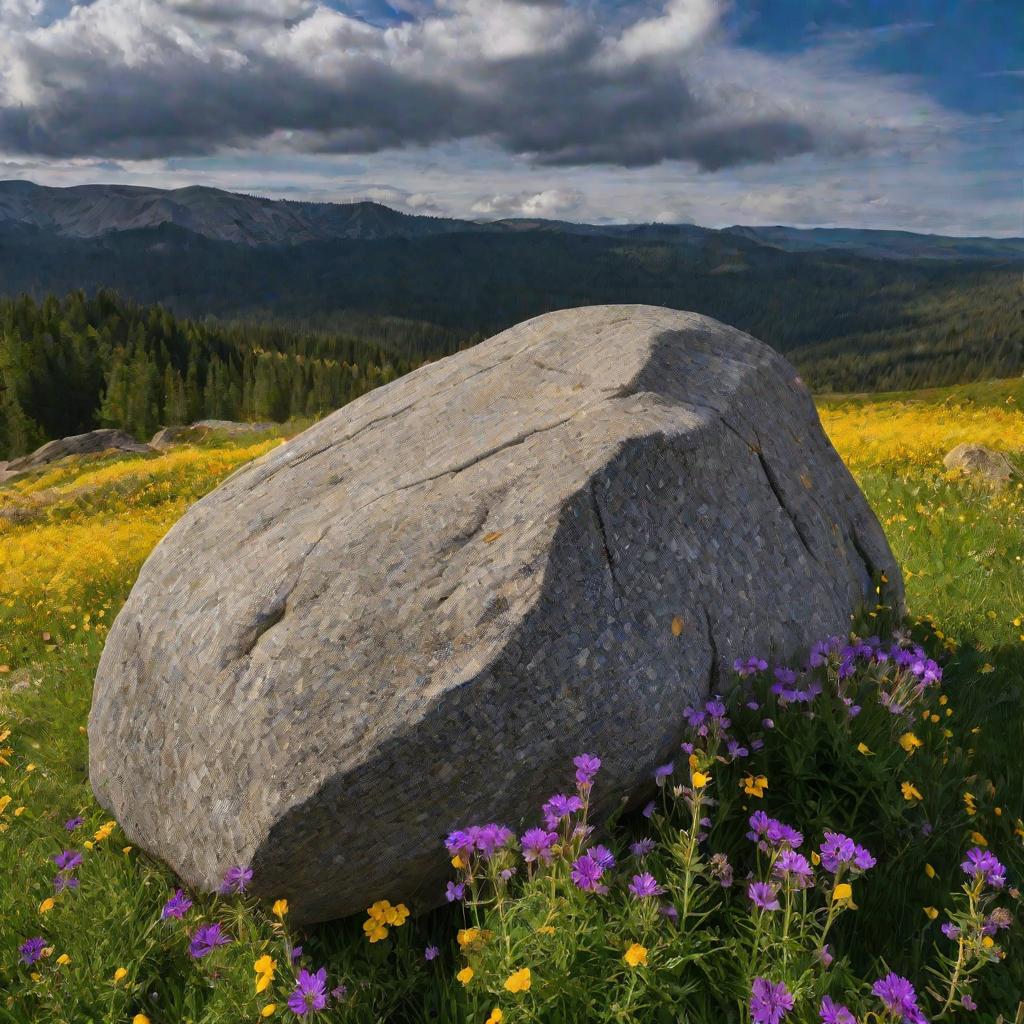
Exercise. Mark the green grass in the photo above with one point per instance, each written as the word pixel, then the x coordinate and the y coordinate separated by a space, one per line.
pixel 962 546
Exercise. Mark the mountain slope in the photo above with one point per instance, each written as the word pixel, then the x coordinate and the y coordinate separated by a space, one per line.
pixel 93 211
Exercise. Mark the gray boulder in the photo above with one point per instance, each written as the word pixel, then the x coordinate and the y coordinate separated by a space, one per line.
pixel 167 436
pixel 411 617
pixel 89 443
pixel 984 464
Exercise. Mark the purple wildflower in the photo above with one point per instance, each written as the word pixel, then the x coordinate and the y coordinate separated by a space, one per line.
pixel 778 834
pixel 431 953
pixel 586 874
pixel 32 950
pixel 648 810
pixel 603 856
pixel 455 892
pixel 339 992
pixel 769 1003
pixel 968 1003
pixel 644 885
pixel 898 997
pixel 999 919
pixel 642 847
pixel 458 843
pixel 793 868
pixel 750 666
pixel 68 860
pixel 72 823
pixel 668 911
pixel 206 939
pixel 537 843
pixel 835 1013
pixel 950 930
pixel 825 956
pixel 721 869
pixel 763 895
pixel 236 879
pixel 983 864
pixel 62 882
pixel 177 906
pixel 662 772
pixel 296 954
pixel 587 766
pixel 560 806
pixel 491 838
pixel 310 992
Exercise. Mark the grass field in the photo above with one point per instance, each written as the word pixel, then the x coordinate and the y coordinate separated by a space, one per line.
pixel 71 542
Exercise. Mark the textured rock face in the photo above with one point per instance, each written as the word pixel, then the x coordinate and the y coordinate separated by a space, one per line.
pixel 975 460
pixel 78 444
pixel 411 617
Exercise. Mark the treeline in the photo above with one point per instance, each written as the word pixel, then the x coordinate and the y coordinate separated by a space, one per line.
pixel 68 365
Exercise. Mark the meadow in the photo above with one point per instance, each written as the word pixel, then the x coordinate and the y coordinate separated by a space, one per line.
pixel 837 842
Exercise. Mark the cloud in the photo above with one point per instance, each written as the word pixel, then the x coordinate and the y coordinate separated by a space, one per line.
pixel 549 204
pixel 553 82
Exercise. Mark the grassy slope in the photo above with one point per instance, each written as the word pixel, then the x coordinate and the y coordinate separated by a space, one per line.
pixel 84 531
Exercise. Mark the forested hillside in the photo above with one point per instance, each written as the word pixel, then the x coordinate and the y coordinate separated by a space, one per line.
pixel 70 365
pixel 847 321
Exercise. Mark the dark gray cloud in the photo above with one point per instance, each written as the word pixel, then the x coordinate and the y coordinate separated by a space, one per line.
pixel 548 80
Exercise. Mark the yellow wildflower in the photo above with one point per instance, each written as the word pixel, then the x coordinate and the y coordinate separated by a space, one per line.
pixel 988 942
pixel 636 955
pixel 910 791
pixel 458 863
pixel 47 905
pixel 519 981
pixel 496 1017
pixel 63 959
pixel 931 912
pixel 909 742
pixel 280 908
pixel 375 931
pixel 467 936
pixel 140 1018
pixel 4 801
pixel 396 916
pixel 19 811
pixel 546 929
pixel 30 767
pixel 978 839
pixel 264 968
pixel 863 748
pixel 843 891
pixel 119 975
pixel 754 785
pixel 380 910
pixel 700 780
pixel 465 976
pixel 268 1010
pixel 929 870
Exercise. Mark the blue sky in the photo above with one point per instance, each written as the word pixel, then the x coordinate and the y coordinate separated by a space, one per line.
pixel 898 114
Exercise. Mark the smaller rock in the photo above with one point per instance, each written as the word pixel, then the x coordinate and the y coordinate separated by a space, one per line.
pixel 78 444
pixel 167 436
pixel 975 460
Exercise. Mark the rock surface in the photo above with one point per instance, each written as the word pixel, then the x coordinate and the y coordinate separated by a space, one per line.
pixel 411 617
pixel 985 464
pixel 78 444
pixel 167 436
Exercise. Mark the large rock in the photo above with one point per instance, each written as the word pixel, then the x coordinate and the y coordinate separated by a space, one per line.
pixel 411 617
pixel 984 464
pixel 89 443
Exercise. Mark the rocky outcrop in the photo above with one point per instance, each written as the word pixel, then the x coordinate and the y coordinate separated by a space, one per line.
pixel 413 616
pixel 983 464
pixel 78 444
pixel 167 436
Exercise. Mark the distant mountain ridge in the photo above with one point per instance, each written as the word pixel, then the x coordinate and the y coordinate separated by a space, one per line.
pixel 94 211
